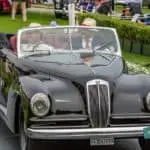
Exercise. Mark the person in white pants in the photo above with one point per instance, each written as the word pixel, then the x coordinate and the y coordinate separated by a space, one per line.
pixel 15 4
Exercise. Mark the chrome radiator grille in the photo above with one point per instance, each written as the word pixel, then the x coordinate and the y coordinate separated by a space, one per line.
pixel 98 100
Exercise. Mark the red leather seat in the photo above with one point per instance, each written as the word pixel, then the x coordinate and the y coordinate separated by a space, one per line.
pixel 13 42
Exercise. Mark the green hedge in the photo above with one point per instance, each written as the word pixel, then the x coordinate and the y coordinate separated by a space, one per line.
pixel 125 29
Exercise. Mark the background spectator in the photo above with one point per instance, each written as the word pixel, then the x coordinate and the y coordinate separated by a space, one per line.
pixel 135 6
pixel 22 4
pixel 90 6
pixel 103 7
pixel 126 13
pixel 83 4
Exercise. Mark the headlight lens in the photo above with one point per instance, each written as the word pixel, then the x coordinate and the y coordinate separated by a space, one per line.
pixel 40 104
pixel 148 101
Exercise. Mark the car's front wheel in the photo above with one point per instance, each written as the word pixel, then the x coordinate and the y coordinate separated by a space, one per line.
pixel 23 135
pixel 145 144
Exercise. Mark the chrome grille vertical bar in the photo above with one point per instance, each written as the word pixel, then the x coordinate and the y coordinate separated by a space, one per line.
pixel 98 101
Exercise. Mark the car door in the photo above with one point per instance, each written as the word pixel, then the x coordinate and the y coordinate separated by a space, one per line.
pixel 2 76
pixel 8 73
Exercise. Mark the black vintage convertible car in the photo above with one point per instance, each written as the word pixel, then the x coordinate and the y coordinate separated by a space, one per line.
pixel 71 83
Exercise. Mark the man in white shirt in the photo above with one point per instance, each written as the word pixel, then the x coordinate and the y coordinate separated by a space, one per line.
pixel 87 42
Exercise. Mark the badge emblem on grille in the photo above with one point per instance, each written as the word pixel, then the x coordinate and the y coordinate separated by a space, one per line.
pixel 97 82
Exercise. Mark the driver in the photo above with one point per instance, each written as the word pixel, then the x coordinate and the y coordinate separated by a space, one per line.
pixel 87 41
pixel 82 40
pixel 90 41
pixel 33 36
pixel 25 38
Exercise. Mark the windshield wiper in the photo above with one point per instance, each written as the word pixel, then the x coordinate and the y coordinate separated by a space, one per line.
pixel 97 65
pixel 59 63
pixel 54 62
pixel 38 53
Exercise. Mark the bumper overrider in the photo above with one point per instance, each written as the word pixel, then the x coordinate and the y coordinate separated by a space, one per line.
pixel 88 133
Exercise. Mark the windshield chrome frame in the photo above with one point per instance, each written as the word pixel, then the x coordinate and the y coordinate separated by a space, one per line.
pixel 118 52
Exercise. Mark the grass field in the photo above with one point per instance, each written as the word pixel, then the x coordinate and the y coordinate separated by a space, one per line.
pixel 137 59
pixel 11 26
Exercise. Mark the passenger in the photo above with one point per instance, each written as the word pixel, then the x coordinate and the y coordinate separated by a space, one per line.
pixel 31 25
pixel 13 39
pixel 13 43
pixel 87 40
pixel 81 40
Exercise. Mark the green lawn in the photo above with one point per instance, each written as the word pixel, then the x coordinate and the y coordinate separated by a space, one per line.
pixel 137 59
pixel 11 26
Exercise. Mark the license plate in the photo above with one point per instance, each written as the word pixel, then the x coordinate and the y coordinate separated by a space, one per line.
pixel 95 141
pixel 146 133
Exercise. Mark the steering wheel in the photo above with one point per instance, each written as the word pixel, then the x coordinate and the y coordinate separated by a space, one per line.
pixel 43 45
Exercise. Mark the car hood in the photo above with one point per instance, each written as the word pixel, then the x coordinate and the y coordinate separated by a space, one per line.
pixel 79 73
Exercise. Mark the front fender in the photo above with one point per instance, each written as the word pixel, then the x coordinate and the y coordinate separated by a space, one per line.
pixel 30 85
pixel 11 109
pixel 21 92
pixel 130 92
pixel 64 96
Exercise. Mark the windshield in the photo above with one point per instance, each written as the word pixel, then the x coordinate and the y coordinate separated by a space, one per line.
pixel 68 44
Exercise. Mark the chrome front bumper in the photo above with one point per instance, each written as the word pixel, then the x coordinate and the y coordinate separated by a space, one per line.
pixel 58 134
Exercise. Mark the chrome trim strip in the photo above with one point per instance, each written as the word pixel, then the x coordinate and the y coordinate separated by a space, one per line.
pixel 60 118
pixel 130 125
pixel 116 132
pixel 99 99
pixel 88 104
pixel 130 116
pixel 3 109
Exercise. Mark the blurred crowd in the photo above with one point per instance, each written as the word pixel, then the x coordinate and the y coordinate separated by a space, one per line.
pixel 133 11
pixel 100 6
pixel 132 8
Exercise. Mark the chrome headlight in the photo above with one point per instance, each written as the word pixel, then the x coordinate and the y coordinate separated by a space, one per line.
pixel 148 101
pixel 40 104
